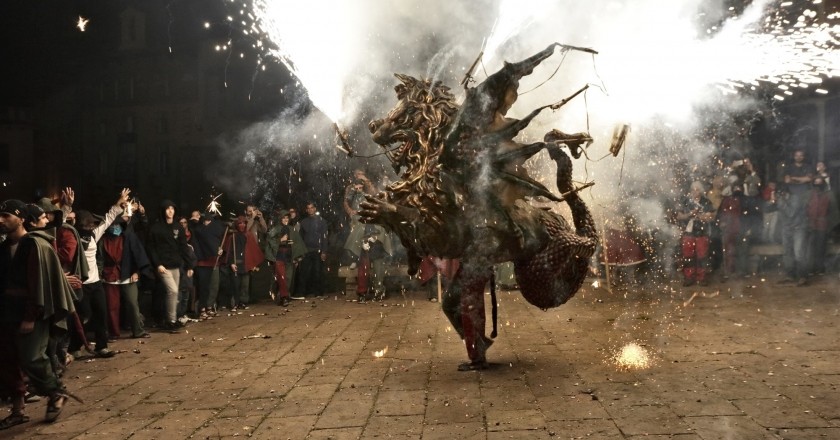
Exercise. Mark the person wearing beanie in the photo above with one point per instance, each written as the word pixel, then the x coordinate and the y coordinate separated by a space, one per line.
pixel 169 252
pixel 73 262
pixel 34 302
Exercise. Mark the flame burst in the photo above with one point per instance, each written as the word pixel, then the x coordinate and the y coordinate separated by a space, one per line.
pixel 632 357
pixel 380 353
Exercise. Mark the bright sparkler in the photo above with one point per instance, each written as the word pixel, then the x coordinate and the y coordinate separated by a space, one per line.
pixel 214 206
pixel 82 23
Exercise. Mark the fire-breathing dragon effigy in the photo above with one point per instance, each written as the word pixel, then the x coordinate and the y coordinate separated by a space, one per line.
pixel 464 193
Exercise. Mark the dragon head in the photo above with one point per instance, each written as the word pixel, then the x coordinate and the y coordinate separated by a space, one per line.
pixel 417 124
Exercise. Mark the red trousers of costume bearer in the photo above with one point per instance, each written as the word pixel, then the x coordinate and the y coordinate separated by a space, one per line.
pixel 280 276
pixel 362 275
pixel 112 298
pixel 695 256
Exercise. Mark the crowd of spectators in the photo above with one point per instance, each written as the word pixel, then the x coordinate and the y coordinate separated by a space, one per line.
pixel 727 218
pixel 67 273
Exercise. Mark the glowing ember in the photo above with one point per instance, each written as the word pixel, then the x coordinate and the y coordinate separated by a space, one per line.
pixel 82 23
pixel 596 284
pixel 632 357
pixel 380 353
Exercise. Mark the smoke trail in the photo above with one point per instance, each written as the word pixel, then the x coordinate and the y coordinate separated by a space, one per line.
pixel 657 63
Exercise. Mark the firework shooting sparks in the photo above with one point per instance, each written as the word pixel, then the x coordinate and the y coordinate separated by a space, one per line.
pixel 657 64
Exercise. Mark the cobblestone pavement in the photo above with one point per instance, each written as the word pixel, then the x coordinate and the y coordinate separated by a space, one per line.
pixel 745 360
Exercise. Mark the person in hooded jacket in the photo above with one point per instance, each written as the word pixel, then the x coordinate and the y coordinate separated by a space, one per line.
pixel 94 303
pixel 168 251
pixel 124 260
pixel 69 250
pixel 208 233
pixel 35 299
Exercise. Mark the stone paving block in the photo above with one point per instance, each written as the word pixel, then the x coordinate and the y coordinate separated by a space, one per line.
pixel 647 419
pixel 335 434
pixel 302 407
pixel 208 399
pixel 461 431
pixel 581 406
pixel 808 434
pixel 732 384
pixel 228 427
pixel 403 378
pixel 320 375
pixel 468 388
pixel 509 397
pixel 823 401
pixel 71 423
pixel 514 420
pixel 400 403
pixel 380 426
pixel 601 429
pixel 361 394
pixel 367 374
pixel 344 414
pixel 175 424
pixel 116 402
pixel 612 394
pixel 780 413
pixel 316 392
pixel 443 410
pixel 125 428
pixel 540 434
pixel 704 403
pixel 266 387
pixel 728 427
pixel 248 407
pixel 291 427
pixel 553 385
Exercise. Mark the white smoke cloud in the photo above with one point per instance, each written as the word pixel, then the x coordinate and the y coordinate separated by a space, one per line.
pixel 654 68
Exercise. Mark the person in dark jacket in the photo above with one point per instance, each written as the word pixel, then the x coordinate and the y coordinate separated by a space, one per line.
pixel 35 299
pixel 312 271
pixel 207 235
pixel 168 252
pixel 124 261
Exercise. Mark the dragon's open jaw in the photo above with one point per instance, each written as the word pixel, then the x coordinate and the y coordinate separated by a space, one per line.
pixel 397 147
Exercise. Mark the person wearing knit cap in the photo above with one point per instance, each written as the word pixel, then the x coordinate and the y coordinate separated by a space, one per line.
pixel 73 263
pixel 34 302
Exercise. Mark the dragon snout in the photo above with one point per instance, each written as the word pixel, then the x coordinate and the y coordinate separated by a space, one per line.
pixel 379 128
